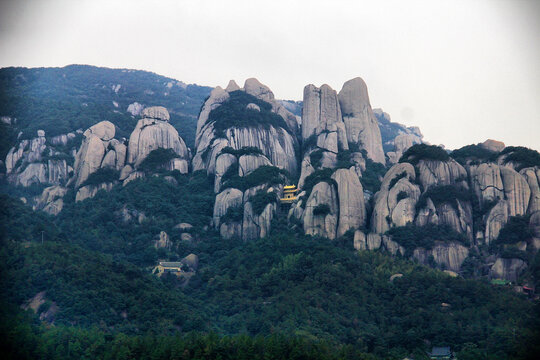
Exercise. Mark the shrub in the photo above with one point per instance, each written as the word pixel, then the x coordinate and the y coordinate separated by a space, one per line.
pixel 475 153
pixel 102 175
pixel 344 159
pixel 515 230
pixel 424 152
pixel 310 142
pixel 246 150
pixel 315 178
pixel 261 199
pixel 321 209
pixel 402 195
pixel 371 177
pixel 315 157
pixel 157 158
pixel 266 174
pixel 523 156
pixel 411 237
pixel 234 113
pixel 444 194
pixel 396 179
pixel 233 214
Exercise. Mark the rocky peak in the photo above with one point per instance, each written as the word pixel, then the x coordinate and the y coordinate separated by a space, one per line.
pixel 232 86
pixel 156 112
pixel 493 145
pixel 360 122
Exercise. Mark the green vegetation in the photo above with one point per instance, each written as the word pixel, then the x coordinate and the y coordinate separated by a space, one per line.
pixel 402 195
pixel 104 222
pixel 515 230
pixel 246 150
pixel 102 175
pixel 61 100
pixel 411 236
pixel 424 152
pixel 234 113
pixel 396 179
pixel 522 156
pixel 315 158
pixel 157 159
pixel 441 194
pixel 261 199
pixel 321 209
pixel 473 154
pixel 372 176
pixel 266 174
pixel 300 288
pixel 233 214
pixel 309 143
pixel 344 159
pixel 315 178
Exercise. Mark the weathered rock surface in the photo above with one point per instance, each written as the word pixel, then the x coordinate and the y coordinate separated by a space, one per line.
pixel 229 198
pixel 493 145
pixel 163 241
pixel 352 209
pixel 322 117
pixel 388 211
pixel 249 163
pixel 507 269
pixel 89 191
pixel 51 200
pixel 156 112
pixel 152 133
pixel 449 255
pixel 532 176
pixel 27 163
pixel 104 130
pixel 324 224
pixel 360 122
pixel 91 152
pixel 434 172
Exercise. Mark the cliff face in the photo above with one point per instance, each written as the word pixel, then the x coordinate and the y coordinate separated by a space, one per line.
pixel 253 134
pixel 38 161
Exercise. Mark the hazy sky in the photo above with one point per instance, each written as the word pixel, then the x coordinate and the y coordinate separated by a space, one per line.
pixel 463 71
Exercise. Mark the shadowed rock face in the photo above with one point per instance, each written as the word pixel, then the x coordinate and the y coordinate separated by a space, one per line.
pixel 507 269
pixel 448 255
pixel 360 122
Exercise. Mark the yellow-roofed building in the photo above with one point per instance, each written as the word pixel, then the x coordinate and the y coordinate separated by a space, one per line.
pixel 289 194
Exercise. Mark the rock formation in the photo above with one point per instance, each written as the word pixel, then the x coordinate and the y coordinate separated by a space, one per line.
pixel 152 132
pixel 360 122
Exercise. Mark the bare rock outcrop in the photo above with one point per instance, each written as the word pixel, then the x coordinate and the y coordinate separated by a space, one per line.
pixel 434 172
pixel 51 200
pixel 89 191
pixel 153 132
pixel 507 269
pixel 89 157
pixel 322 118
pixel 320 217
pixel 493 145
pixel 360 122
pixel 34 162
pixel 276 143
pixel 352 209
pixel 448 255
pixel 532 176
pixel 389 210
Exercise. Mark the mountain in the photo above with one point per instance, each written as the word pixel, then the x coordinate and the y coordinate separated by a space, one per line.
pixel 387 248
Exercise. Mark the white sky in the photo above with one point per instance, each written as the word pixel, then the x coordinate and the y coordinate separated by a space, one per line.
pixel 463 71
